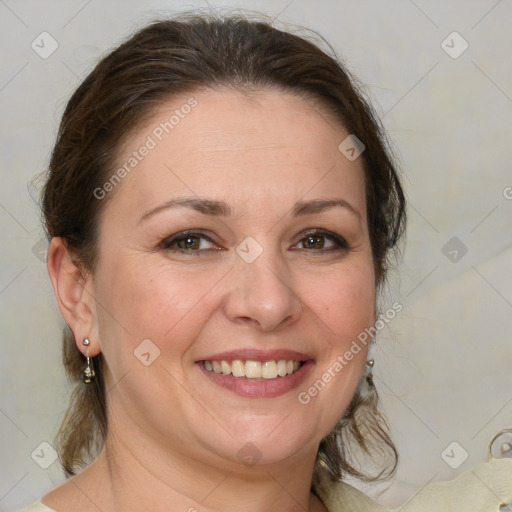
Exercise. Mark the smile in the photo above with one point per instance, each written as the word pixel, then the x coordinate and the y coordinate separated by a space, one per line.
pixel 251 369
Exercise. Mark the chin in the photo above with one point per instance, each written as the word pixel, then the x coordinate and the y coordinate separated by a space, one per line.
pixel 265 446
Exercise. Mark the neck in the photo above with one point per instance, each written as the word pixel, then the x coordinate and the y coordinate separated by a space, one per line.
pixel 136 476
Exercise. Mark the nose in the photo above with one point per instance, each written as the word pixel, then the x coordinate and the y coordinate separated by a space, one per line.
pixel 262 295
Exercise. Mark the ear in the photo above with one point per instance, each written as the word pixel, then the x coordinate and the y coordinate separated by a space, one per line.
pixel 73 290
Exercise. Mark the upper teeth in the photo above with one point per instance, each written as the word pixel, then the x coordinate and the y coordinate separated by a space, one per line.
pixel 254 369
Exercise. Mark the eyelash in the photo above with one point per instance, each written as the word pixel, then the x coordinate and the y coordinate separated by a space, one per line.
pixel 166 244
pixel 340 242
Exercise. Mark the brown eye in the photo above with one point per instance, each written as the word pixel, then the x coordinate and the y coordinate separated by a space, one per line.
pixel 314 242
pixel 322 241
pixel 188 242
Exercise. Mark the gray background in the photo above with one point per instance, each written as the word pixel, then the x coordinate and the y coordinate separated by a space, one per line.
pixel 443 365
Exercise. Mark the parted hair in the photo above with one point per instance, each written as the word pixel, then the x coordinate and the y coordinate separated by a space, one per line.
pixel 178 56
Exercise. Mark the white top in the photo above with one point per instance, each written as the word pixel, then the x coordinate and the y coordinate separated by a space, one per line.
pixel 483 488
pixel 37 507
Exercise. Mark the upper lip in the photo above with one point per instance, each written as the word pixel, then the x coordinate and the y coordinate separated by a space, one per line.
pixel 258 355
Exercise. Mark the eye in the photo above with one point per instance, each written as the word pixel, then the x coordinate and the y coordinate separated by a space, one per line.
pixel 322 241
pixel 189 242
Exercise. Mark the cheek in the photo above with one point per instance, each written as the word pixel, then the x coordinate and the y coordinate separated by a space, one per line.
pixel 345 305
pixel 344 300
pixel 139 301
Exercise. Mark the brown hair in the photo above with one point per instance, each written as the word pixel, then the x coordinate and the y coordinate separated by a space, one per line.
pixel 178 56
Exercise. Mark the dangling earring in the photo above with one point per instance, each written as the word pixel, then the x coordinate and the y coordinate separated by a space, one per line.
pixel 369 366
pixel 89 369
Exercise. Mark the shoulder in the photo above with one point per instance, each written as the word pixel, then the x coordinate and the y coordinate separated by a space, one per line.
pixel 37 507
pixel 484 487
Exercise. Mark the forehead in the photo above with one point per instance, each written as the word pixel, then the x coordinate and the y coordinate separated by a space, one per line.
pixel 266 145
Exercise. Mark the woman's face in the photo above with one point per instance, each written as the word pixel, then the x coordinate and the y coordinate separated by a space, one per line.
pixel 237 240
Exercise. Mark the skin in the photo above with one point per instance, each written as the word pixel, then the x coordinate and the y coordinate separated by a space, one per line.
pixel 174 435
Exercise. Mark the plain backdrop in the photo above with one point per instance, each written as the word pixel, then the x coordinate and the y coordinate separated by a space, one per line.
pixel 443 365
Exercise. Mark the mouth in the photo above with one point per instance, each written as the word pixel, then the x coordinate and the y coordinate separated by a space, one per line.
pixel 254 370
pixel 257 374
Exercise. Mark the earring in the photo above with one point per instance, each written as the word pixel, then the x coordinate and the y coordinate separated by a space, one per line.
pixel 369 366
pixel 89 369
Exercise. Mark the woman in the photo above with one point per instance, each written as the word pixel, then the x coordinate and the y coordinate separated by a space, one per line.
pixel 222 206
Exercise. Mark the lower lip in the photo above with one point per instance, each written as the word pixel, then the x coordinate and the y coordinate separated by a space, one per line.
pixel 264 388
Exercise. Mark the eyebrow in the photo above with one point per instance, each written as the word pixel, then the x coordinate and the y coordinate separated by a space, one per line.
pixel 222 209
pixel 204 206
pixel 320 205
